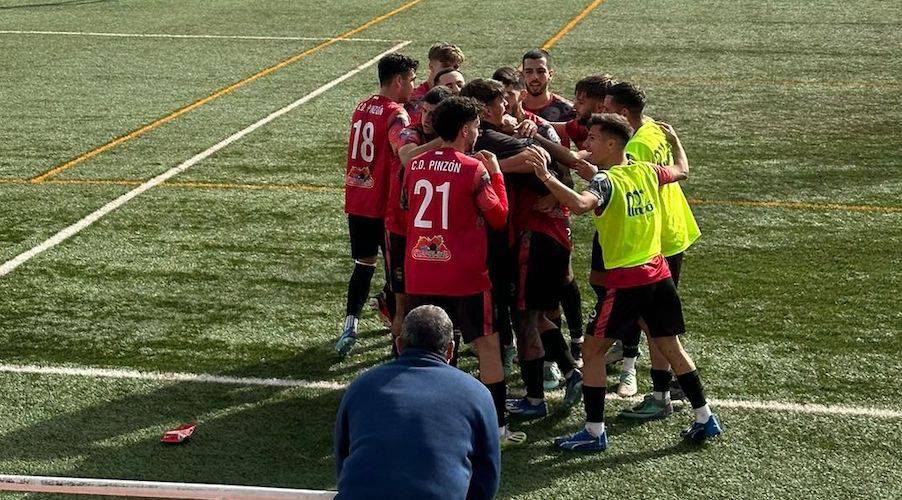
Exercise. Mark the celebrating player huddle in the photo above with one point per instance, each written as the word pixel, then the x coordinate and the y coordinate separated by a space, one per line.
pixel 467 189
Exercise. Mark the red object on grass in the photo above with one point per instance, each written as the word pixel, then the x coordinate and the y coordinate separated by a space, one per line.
pixel 180 434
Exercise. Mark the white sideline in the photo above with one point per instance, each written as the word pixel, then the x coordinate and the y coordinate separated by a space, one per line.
pixel 118 487
pixel 68 232
pixel 759 405
pixel 173 35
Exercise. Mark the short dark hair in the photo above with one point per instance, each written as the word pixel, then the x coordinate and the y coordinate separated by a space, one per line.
pixel 446 53
pixel 629 96
pixel 483 90
pixel 427 327
pixel 394 64
pixel 594 86
pixel 536 54
pixel 612 124
pixel 452 114
pixel 443 73
pixel 509 77
pixel 437 94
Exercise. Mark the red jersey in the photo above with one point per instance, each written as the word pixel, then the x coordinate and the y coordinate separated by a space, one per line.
pixel 416 98
pixel 529 115
pixel 576 133
pixel 558 109
pixel 370 155
pixel 395 216
pixel 555 223
pixel 449 197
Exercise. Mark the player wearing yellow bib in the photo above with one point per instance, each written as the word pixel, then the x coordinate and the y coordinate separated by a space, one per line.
pixel 678 232
pixel 627 205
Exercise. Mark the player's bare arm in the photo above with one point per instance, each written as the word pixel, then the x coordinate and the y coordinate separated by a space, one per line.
pixel 680 167
pixel 525 161
pixel 408 152
pixel 578 203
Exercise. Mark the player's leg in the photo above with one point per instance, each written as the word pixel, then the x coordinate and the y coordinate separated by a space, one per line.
pixel 572 304
pixel 531 355
pixel 501 271
pixel 396 244
pixel 617 310
pixel 367 235
pixel 665 322
pixel 473 315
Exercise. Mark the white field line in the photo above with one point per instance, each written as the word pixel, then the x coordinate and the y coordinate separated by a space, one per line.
pixel 780 406
pixel 215 37
pixel 70 231
pixel 153 489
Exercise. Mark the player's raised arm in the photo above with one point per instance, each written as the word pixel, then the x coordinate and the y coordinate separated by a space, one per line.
pixel 492 195
pixel 680 168
pixel 578 203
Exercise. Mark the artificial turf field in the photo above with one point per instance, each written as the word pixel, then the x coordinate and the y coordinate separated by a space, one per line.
pixel 238 266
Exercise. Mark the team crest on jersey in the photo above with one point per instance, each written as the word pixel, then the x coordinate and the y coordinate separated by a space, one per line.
pixel 359 177
pixel 431 248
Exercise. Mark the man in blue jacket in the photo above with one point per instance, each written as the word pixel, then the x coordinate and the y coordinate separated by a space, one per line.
pixel 416 427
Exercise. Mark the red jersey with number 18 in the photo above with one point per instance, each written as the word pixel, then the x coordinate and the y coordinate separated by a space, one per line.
pixel 370 156
pixel 449 197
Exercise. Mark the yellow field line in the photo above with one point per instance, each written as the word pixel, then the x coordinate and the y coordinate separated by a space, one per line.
pixel 570 25
pixel 798 205
pixel 215 95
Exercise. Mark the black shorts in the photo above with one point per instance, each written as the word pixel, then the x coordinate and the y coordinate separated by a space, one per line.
pixel 597 257
pixel 471 314
pixel 657 304
pixel 543 267
pixel 394 255
pixel 675 263
pixel 367 236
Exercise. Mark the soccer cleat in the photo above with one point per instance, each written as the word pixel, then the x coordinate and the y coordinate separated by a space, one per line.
pixel 508 353
pixel 583 441
pixel 649 409
pixel 576 351
pixel 698 433
pixel 348 337
pixel 522 409
pixel 381 306
pixel 628 384
pixel 573 389
pixel 553 377
pixel 512 439
pixel 614 354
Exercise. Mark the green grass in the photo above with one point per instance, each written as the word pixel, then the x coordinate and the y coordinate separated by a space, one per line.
pixel 778 101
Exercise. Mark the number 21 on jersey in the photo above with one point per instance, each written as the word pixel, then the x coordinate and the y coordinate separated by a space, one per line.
pixel 428 190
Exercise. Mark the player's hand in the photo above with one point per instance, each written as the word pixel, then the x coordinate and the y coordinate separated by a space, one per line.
pixel 538 163
pixel 546 156
pixel 526 129
pixel 669 132
pixel 508 124
pixel 489 160
pixel 583 154
pixel 545 204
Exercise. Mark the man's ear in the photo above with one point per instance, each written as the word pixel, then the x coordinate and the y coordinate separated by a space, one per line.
pixel 449 352
pixel 399 344
pixel 550 73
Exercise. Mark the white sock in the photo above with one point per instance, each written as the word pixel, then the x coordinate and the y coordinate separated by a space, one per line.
pixel 502 431
pixel 535 401
pixel 351 321
pixel 702 414
pixel 661 395
pixel 629 365
pixel 595 428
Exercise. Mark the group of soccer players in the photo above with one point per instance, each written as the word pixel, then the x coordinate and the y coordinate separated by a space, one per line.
pixel 467 190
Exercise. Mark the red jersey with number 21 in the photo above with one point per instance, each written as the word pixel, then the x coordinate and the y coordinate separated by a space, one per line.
pixel 449 197
pixel 370 156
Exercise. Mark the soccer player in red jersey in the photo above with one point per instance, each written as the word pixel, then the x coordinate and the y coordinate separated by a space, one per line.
pixel 538 98
pixel 450 198
pixel 626 201
pixel 590 93
pixel 442 55
pixel 514 86
pixel 414 140
pixel 373 145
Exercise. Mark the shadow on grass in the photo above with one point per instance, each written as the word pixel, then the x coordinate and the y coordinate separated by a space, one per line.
pixel 246 435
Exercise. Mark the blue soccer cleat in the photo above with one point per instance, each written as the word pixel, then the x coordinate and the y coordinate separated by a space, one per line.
pixel 583 441
pixel 573 389
pixel 348 337
pixel 698 433
pixel 524 410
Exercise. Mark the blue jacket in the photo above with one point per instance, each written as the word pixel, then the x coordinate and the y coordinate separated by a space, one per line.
pixel 417 428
